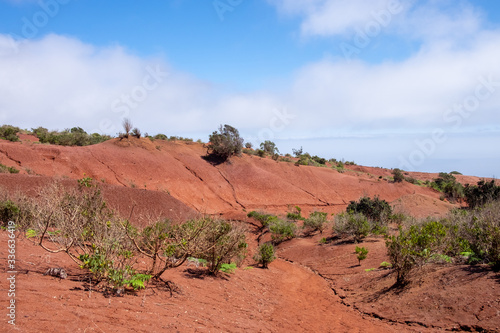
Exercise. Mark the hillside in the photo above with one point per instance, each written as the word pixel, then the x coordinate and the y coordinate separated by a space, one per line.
pixel 247 183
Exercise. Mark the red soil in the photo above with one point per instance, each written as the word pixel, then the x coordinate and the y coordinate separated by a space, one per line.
pixel 172 179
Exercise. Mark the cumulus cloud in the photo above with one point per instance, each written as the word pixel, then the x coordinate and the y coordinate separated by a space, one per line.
pixel 451 82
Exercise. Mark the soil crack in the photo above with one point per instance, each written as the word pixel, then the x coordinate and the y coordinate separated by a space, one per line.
pixel 10 158
pixel 113 171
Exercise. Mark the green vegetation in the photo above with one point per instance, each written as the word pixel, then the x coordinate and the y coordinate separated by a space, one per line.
pixel 8 212
pixel 362 253
pixel 265 254
pixel 263 218
pixel 225 143
pixel 6 169
pixel 295 215
pixel 228 268
pixel 398 175
pixel 8 132
pixel 354 225
pixel 478 195
pixel 69 137
pixel 282 230
pixel 448 184
pixel 315 222
pixel 374 209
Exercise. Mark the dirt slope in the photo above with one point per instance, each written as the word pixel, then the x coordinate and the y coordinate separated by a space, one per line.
pixel 247 183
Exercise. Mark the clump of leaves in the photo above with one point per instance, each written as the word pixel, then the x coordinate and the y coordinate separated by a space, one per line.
pixel 265 254
pixel 315 222
pixel 225 143
pixel 354 225
pixel 362 253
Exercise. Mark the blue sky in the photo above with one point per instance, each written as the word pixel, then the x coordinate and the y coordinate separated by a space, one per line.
pixel 409 84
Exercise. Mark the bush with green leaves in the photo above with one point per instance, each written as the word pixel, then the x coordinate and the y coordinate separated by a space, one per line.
pixel 362 254
pixel 482 193
pixel 398 175
pixel 349 224
pixel 282 230
pixel 6 169
pixel 315 222
pixel 263 218
pixel 225 143
pixel 269 148
pixel 295 214
pixel 448 184
pixel 414 246
pixel 374 209
pixel 75 136
pixel 8 132
pixel 9 211
pixel 220 243
pixel 265 254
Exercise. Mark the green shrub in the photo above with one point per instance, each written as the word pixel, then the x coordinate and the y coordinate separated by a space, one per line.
pixel 69 137
pixel 263 218
pixel 295 215
pixel 282 230
pixel 219 243
pixel 362 253
pixel 478 195
pixel 248 145
pixel 9 211
pixel 265 254
pixel 160 136
pixel 6 169
pixel 315 222
pixel 414 246
pixel 398 175
pixel 8 132
pixel 319 160
pixel 225 143
pixel 375 209
pixel 447 184
pixel 354 225
pixel 228 268
pixel 261 153
pixel 269 148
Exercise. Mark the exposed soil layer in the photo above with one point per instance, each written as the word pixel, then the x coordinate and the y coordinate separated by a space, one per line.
pixel 446 297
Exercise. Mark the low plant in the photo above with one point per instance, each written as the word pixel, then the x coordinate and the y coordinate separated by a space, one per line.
pixel 354 225
pixel 228 268
pixel 8 132
pixel 265 254
pixel 295 215
pixel 362 253
pixel 315 222
pixel 282 230
pixel 6 169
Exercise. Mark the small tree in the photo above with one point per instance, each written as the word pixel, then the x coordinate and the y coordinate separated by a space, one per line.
pixel 265 254
pixel 315 222
pixel 225 143
pixel 362 253
pixel 269 147
pixel 398 175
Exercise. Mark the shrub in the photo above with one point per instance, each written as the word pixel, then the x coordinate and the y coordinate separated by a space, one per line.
pixel 248 145
pixel 319 160
pixel 447 184
pixel 228 268
pixel 265 254
pixel 350 224
pixel 269 147
pixel 69 137
pixel 6 169
pixel 220 243
pixel 261 153
pixel 295 215
pixel 226 143
pixel 136 132
pixel 375 209
pixel 398 175
pixel 160 136
pixel 263 218
pixel 127 126
pixel 282 230
pixel 478 195
pixel 414 246
pixel 297 152
pixel 9 211
pixel 362 253
pixel 249 151
pixel 8 132
pixel 315 222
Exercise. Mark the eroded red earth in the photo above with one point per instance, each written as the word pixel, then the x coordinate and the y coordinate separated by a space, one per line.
pixel 311 288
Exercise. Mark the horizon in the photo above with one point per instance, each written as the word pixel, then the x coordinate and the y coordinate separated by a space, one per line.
pixel 396 84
